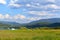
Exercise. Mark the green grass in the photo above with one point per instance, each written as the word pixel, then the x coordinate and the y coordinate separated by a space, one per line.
pixel 29 34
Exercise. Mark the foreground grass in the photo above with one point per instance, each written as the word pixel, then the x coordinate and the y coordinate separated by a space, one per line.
pixel 28 34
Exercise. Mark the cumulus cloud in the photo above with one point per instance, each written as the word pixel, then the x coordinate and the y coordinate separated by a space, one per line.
pixel 53 6
pixel 1 16
pixel 37 15
pixel 35 9
pixel 51 0
pixel 18 16
pixel 34 4
pixel 28 5
pixel 42 13
pixel 13 4
pixel 7 16
pixel 2 1
pixel 15 17
pixel 22 18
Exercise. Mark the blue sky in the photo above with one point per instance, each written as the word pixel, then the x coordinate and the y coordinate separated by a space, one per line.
pixel 24 11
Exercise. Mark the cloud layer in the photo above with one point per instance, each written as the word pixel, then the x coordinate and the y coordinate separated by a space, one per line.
pixel 2 1
pixel 31 10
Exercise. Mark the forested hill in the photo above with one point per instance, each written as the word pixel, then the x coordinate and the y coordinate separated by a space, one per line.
pixel 51 23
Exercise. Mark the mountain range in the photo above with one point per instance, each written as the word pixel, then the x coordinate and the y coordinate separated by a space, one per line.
pixel 51 23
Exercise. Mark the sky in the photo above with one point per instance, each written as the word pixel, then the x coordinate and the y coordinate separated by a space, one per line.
pixel 24 11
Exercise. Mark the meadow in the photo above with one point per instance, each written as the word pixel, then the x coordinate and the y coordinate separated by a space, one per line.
pixel 30 34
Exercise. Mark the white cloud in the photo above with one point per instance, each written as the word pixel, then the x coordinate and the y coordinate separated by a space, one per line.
pixel 12 3
pixel 42 13
pixel 15 5
pixel 19 16
pixel 23 18
pixel 33 18
pixel 2 1
pixel 6 16
pixel 9 17
pixel 37 15
pixel 1 16
pixel 28 5
pixel 53 6
pixel 45 7
pixel 42 7
pixel 51 0
pixel 34 4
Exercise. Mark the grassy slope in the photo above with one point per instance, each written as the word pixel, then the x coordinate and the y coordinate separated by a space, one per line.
pixel 26 34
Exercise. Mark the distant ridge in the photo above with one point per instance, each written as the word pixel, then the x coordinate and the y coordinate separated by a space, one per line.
pixel 52 22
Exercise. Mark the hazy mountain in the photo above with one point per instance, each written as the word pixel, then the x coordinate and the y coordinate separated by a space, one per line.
pixel 9 24
pixel 53 22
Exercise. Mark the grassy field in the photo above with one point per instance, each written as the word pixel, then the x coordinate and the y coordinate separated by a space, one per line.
pixel 28 34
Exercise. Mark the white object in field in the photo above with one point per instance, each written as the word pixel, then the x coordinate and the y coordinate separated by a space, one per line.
pixel 12 28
